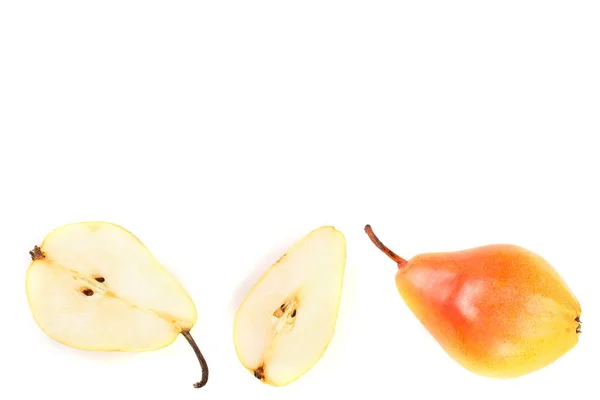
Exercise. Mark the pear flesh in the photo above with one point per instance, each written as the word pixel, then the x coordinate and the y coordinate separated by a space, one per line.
pixel 95 286
pixel 285 323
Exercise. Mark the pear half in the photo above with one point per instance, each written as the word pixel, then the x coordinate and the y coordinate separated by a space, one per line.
pixel 95 286
pixel 285 323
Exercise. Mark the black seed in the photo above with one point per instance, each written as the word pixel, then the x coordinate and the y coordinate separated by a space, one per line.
pixel 293 313
pixel 100 279
pixel 87 292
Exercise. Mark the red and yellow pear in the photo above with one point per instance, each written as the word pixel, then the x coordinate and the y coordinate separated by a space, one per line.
pixel 499 310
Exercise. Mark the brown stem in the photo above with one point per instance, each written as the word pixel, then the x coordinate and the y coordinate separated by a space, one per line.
pixel 192 342
pixel 401 261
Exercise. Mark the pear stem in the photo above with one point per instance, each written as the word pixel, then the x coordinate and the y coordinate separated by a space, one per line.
pixel 192 342
pixel 399 260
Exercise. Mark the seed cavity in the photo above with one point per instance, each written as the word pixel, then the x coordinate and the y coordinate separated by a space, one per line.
pixel 284 316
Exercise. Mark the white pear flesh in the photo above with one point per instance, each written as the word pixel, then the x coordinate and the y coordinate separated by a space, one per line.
pixel 287 320
pixel 95 286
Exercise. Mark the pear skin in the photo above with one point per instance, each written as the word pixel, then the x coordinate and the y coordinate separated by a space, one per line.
pixel 499 310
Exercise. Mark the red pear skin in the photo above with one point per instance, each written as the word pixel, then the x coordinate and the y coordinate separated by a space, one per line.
pixel 499 310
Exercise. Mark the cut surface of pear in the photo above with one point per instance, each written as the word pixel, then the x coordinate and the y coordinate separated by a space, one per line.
pixel 287 320
pixel 95 286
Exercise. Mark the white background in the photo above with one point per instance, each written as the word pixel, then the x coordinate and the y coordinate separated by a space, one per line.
pixel 222 132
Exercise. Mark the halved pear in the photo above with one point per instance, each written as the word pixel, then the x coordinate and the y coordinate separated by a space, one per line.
pixel 95 286
pixel 285 323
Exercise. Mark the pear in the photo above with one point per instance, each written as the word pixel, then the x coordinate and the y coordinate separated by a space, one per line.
pixel 95 286
pixel 498 310
pixel 287 319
